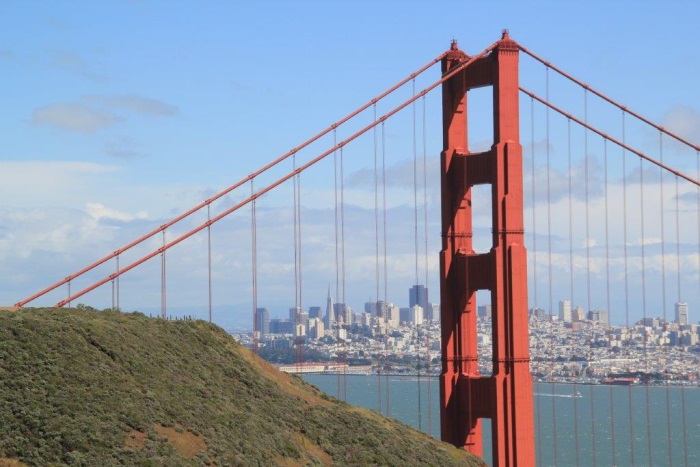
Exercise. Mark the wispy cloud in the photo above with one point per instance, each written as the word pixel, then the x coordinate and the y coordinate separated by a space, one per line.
pixel 685 121
pixel 7 54
pixel 135 104
pixel 123 147
pixel 100 211
pixel 92 113
pixel 74 63
pixel 74 117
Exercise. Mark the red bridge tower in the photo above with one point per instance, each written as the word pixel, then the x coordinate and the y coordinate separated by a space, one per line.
pixel 505 397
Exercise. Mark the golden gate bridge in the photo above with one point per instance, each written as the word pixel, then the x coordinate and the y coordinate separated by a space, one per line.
pixel 640 210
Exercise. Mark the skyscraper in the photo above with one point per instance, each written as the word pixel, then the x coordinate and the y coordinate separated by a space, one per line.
pixel 330 312
pixel 315 312
pixel 565 310
pixel 263 324
pixel 418 295
pixel 681 313
pixel 484 311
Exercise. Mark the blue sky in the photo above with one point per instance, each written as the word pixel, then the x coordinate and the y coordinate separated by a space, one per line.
pixel 118 115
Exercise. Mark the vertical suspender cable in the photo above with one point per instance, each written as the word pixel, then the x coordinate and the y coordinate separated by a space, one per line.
pixel 549 263
pixel 118 276
pixel 163 312
pixel 296 333
pixel 644 305
pixel 627 307
pixel 69 294
pixel 113 308
pixel 415 237
pixel 254 257
pixel 571 272
pixel 379 306
pixel 301 269
pixel 209 254
pixel 678 275
pixel 425 235
pixel 534 255
pixel 332 323
pixel 342 250
pixel 586 158
pixel 386 282
pixel 613 451
pixel 685 438
pixel 669 434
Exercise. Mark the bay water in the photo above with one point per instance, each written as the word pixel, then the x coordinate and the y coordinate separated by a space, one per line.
pixel 575 425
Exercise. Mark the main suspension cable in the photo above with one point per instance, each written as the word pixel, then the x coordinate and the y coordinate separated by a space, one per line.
pixel 283 179
pixel 250 177
pixel 608 99
pixel 610 138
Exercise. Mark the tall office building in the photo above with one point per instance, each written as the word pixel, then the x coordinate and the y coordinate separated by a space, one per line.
pixel 433 312
pixel 681 313
pixel 329 320
pixel 600 316
pixel 315 312
pixel 294 314
pixel 316 329
pixel 263 325
pixel 484 311
pixel 578 314
pixel 418 295
pixel 393 315
pixel 565 310
pixel 339 313
pixel 415 315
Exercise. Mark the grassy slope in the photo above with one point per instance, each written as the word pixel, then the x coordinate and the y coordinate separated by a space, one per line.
pixel 104 388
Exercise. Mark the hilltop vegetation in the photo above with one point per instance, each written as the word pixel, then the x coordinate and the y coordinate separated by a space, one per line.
pixel 106 388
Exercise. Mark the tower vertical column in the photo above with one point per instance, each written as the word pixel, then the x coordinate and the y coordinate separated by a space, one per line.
pixel 512 424
pixel 458 309
pixel 466 396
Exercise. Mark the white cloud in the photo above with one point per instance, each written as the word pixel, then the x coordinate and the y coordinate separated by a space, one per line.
pixel 684 121
pixel 99 211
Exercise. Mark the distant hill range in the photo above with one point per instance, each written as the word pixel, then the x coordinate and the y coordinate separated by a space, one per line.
pixel 84 387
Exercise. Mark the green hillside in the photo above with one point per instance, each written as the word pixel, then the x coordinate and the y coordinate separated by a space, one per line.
pixel 105 388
